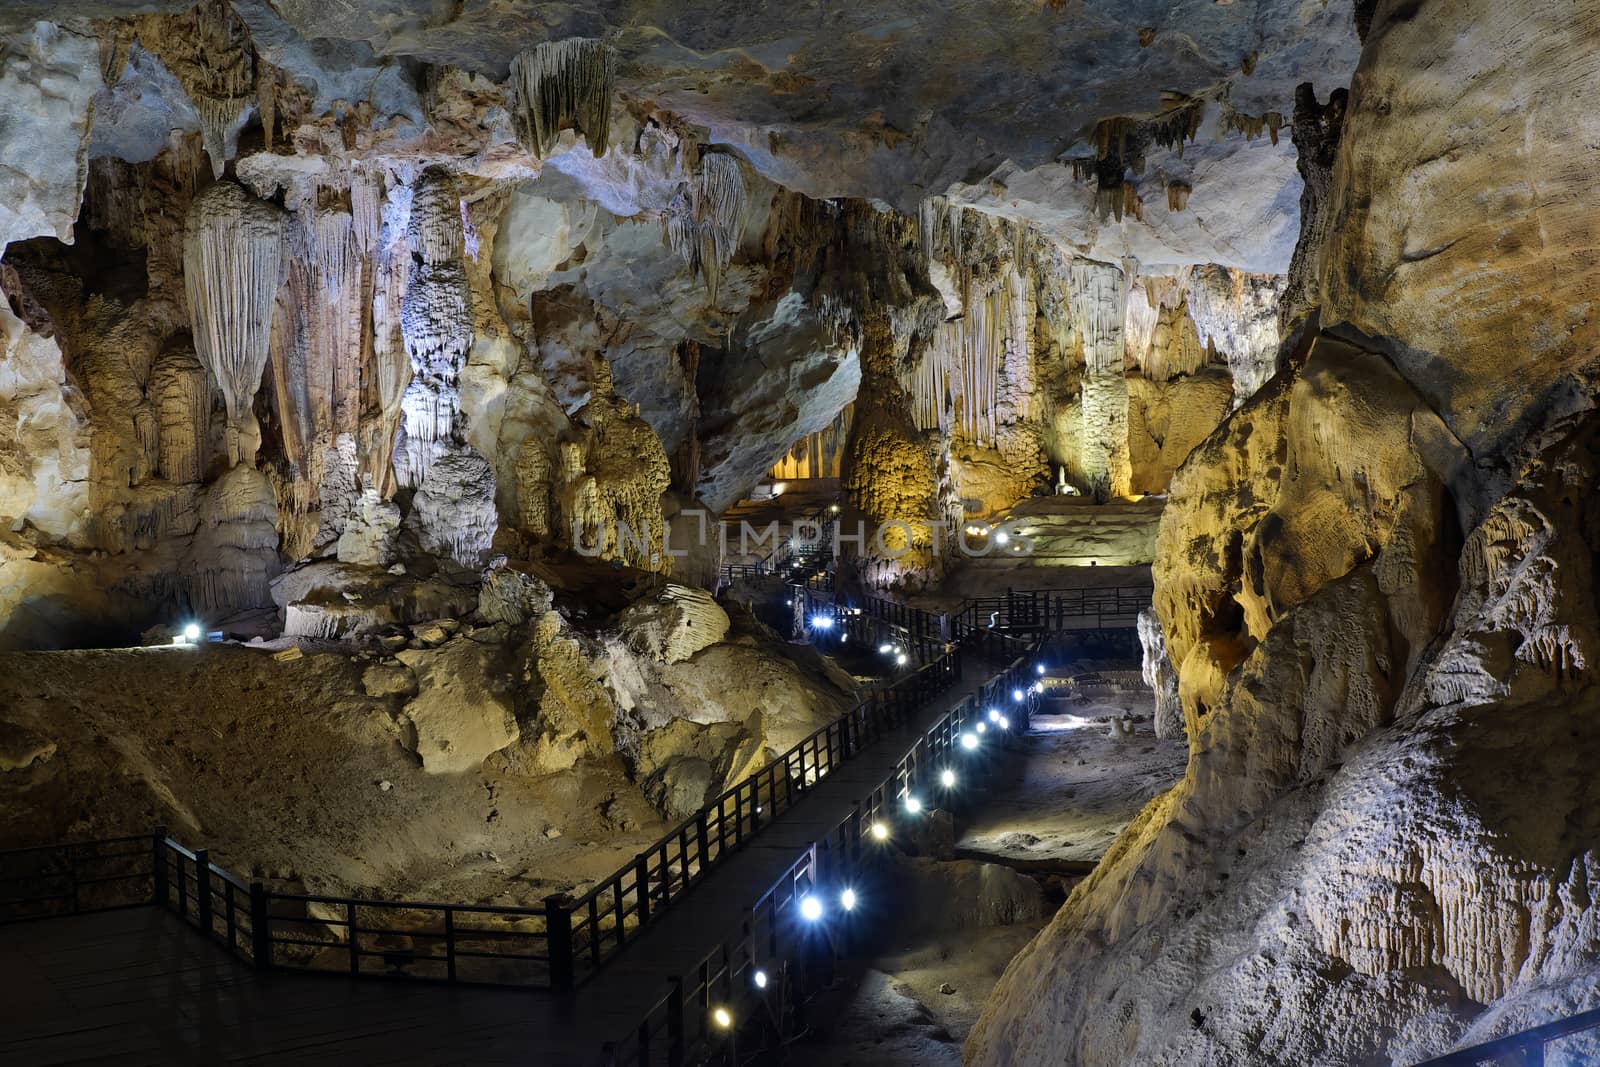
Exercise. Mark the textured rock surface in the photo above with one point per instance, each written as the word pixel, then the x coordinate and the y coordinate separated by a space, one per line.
pixel 459 715
pixel 48 78
pixel 1363 615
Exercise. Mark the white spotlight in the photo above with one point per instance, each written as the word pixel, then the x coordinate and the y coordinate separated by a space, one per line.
pixel 1039 667
pixel 1005 723
pixel 947 778
pixel 984 727
pixel 1003 537
pixel 913 805
pixel 901 659
pixel 810 908
pixel 760 979
pixel 822 622
pixel 1038 687
pixel 191 632
pixel 994 714
pixel 847 900
pixel 1016 694
pixel 969 741
pixel 879 832
pixel 886 649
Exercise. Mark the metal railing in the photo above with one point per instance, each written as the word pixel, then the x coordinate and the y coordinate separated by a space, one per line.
pixel 1525 1049
pixel 772 937
pixel 1055 610
pixel 596 926
pixel 789 552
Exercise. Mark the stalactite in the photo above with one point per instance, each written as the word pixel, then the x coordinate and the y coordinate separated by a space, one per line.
pixel 232 260
pixel 557 83
pixel 819 454
pixel 1178 195
pixel 208 50
pixel 181 396
pixel 704 223
pixel 267 100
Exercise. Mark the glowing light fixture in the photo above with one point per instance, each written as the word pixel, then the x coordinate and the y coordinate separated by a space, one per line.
pixel 886 649
pixel 760 979
pixel 191 632
pixel 901 659
pixel 810 908
pixel 722 1017
pixel 913 805
pixel 994 714
pixel 833 509
pixel 969 741
pixel 1005 723
pixel 1003 537
pixel 1016 694
pixel 822 622
pixel 947 778
pixel 847 900
pixel 983 727
pixel 1038 687
pixel 879 832
pixel 1039 668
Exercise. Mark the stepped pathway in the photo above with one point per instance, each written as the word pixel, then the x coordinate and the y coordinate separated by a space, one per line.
pixel 138 986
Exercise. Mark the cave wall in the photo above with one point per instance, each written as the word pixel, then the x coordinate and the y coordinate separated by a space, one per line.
pixel 1374 584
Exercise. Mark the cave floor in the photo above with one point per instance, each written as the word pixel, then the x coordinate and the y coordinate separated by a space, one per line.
pixel 1075 786
pixel 1070 789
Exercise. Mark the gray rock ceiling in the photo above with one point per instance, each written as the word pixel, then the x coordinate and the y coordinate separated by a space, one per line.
pixel 881 99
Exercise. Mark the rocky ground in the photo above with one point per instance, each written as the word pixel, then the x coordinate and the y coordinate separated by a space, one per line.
pixel 493 762
pixel 1076 786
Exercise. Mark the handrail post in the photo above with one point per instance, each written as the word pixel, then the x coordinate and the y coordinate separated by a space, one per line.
pixel 202 889
pixel 641 881
pixel 260 927
pixel 558 935
pixel 158 869
pixel 675 1044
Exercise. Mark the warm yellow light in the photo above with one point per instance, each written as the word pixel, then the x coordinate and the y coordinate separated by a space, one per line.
pixel 722 1017
pixel 880 832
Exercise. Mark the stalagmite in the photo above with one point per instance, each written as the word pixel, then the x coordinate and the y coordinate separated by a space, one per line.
pixel 1099 303
pixel 182 399
pixel 557 83
pixel 437 325
pixel 234 554
pixel 232 258
pixel 1160 676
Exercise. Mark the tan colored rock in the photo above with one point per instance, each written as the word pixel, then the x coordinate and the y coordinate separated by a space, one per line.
pixel 675 624
pixel 462 712
pixel 387 680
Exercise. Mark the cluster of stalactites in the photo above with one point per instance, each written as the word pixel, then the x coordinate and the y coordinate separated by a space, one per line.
pixel 556 83
pixel 232 268
pixel 704 223
pixel 208 50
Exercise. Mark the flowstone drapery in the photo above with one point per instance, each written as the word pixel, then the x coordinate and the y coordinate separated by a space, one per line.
pixel 233 266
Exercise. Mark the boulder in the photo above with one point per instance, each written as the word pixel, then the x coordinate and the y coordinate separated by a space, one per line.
pixel 460 713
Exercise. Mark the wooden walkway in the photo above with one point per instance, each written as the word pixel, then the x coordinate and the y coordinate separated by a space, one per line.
pixel 138 987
